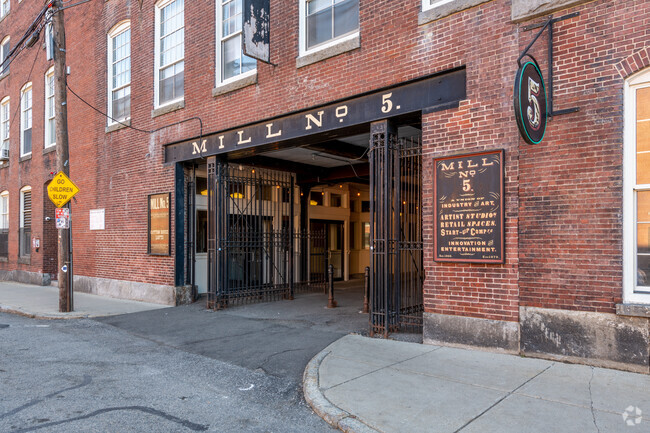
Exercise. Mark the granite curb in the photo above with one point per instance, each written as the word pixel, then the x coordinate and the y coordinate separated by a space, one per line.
pixel 44 316
pixel 333 415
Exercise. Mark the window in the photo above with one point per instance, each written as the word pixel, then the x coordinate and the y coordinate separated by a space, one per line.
pixel 119 73
pixel 231 61
pixel 366 236
pixel 365 206
pixel 637 190
pixel 430 4
pixel 50 130
pixel 336 200
pixel 5 122
pixel 4 224
pixel 170 51
pixel 4 8
pixel 353 239
pixel 25 232
pixel 26 120
pixel 323 21
pixel 316 198
pixel 5 48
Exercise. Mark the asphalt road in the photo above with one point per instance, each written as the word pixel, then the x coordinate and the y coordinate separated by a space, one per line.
pixel 170 370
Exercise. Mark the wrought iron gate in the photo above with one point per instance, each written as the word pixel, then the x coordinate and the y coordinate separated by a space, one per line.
pixel 254 250
pixel 397 274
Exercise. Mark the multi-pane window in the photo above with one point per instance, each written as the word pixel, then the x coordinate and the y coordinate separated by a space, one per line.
pixel 119 106
pixel 232 61
pixel 5 122
pixel 4 7
pixel 25 231
pixel 637 189
pixel 26 120
pixel 50 129
pixel 4 224
pixel 327 20
pixel 5 48
pixel 170 30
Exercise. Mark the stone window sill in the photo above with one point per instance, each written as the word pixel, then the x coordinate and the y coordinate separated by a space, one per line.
pixel 168 108
pixel 634 310
pixel 240 83
pixel 527 9
pixel 4 75
pixel 4 164
pixel 446 9
pixel 24 260
pixel 4 259
pixel 316 56
pixel 117 126
pixel 25 158
pixel 49 149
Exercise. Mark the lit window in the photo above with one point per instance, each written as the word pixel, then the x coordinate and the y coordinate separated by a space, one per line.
pixel 4 8
pixel 170 51
pixel 25 231
pixel 50 130
pixel 637 189
pixel 4 224
pixel 5 122
pixel 230 58
pixel 5 48
pixel 366 236
pixel 26 120
pixel 119 73
pixel 328 20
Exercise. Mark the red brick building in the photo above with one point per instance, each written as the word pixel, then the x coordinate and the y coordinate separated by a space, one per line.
pixel 214 171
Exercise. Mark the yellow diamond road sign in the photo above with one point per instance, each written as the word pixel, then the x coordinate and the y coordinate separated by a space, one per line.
pixel 61 189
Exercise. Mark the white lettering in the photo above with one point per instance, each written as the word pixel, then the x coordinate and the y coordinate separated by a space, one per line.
pixel 318 122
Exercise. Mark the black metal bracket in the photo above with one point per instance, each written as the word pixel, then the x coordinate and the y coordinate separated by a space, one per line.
pixel 548 25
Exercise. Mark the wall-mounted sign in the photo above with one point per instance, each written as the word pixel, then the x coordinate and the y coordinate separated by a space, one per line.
pixel 468 208
pixel 256 28
pixel 531 110
pixel 96 219
pixel 438 92
pixel 159 224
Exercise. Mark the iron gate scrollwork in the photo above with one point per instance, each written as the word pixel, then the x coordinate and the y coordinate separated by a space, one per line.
pixel 254 249
pixel 397 275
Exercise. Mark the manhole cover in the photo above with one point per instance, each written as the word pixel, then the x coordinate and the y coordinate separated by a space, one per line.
pixel 3 326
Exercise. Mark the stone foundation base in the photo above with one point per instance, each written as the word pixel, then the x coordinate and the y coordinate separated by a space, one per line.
pixel 471 332
pixel 600 339
pixel 155 293
pixel 26 277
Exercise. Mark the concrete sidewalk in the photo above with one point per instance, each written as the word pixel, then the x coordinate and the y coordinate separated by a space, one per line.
pixel 361 384
pixel 43 302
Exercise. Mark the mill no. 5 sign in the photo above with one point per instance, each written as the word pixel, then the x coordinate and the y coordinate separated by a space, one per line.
pixel 531 110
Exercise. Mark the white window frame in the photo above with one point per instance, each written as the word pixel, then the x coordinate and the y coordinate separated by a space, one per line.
pixel 3 12
pixel 116 31
pixel 5 123
pixel 3 54
pixel 302 33
pixel 219 40
pixel 157 67
pixel 49 99
pixel 630 293
pixel 4 210
pixel 26 88
pixel 426 4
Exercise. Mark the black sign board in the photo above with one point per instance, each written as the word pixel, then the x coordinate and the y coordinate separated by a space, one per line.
pixel 256 29
pixel 468 208
pixel 531 110
pixel 433 93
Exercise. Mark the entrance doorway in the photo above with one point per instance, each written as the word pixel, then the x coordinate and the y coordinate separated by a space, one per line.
pixel 334 249
pixel 201 245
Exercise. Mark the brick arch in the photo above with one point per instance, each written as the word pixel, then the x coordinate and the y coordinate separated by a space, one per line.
pixel 634 63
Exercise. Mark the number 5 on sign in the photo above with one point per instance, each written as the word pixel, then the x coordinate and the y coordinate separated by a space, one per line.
pixel 61 189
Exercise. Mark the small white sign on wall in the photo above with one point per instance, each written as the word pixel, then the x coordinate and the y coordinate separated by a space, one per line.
pixel 97 219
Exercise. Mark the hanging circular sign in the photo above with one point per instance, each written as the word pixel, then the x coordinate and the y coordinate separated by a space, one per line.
pixel 531 109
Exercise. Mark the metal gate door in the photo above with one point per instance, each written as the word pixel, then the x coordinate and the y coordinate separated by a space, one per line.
pixel 253 247
pixel 396 275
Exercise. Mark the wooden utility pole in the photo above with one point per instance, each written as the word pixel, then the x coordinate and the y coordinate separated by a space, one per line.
pixel 62 152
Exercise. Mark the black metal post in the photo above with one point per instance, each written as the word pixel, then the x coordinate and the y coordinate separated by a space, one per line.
pixel 291 238
pixel 331 303
pixel 366 290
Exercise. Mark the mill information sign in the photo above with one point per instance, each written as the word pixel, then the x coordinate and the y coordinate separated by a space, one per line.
pixel 468 208
pixel 61 189
pixel 531 109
